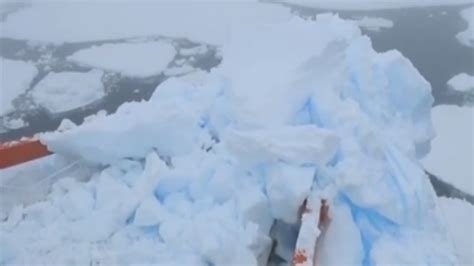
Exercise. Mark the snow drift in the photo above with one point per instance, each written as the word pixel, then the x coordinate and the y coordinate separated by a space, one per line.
pixel 198 175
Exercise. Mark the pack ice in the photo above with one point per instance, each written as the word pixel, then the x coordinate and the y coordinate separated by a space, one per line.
pixel 200 174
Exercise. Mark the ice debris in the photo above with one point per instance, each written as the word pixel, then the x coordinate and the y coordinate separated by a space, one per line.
pixel 198 174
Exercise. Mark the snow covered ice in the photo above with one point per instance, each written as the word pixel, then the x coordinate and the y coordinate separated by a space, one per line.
pixel 461 230
pixel 199 173
pixel 452 151
pixel 129 59
pixel 65 91
pixel 16 78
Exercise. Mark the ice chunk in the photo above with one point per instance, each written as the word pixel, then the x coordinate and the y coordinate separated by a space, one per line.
pixel 179 204
pixel 129 59
pixel 181 70
pixel 201 49
pixel 66 125
pixel 100 113
pixel 374 23
pixel 466 36
pixel 16 77
pixel 287 187
pixel 170 129
pixel 148 180
pixel 112 213
pixel 149 213
pixel 342 240
pixel 253 207
pixel 106 191
pixel 14 123
pixel 220 184
pixel 210 103
pixel 462 82
pixel 259 67
pixel 65 91
pixel 260 244
pixel 77 203
pixel 452 151
pixel 98 226
pixel 299 145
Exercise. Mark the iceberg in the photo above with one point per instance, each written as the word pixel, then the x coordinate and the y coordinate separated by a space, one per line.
pixel 300 145
pixel 200 173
